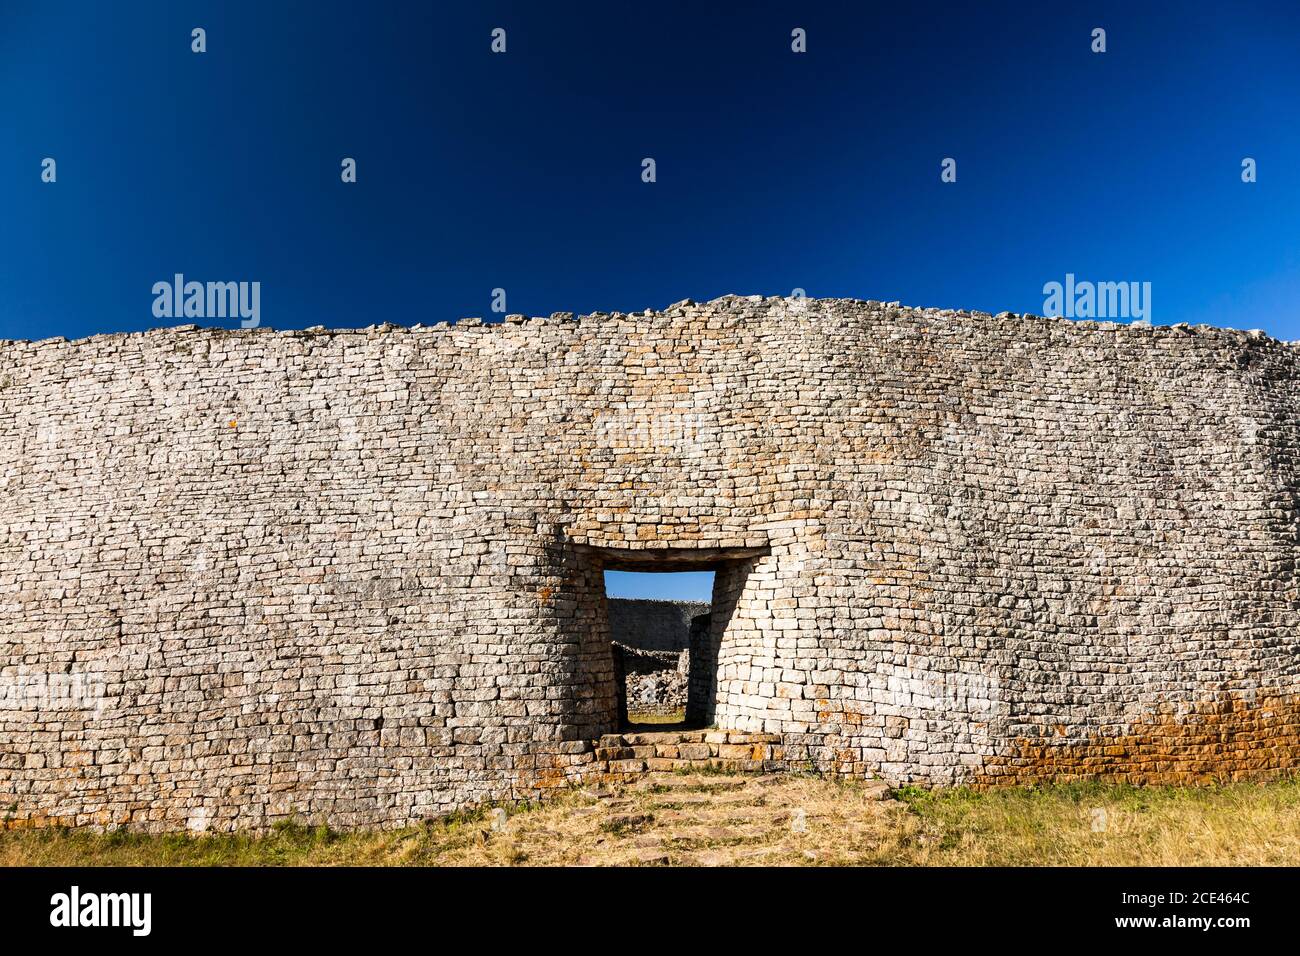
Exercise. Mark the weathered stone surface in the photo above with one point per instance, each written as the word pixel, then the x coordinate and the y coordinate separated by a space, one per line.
pixel 653 625
pixel 654 682
pixel 355 576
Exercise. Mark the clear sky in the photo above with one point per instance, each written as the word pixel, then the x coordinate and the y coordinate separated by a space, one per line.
pixel 674 585
pixel 522 171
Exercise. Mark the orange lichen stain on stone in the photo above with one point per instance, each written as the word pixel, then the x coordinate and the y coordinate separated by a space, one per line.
pixel 36 821
pixel 544 594
pixel 1227 739
pixel 549 778
pixel 107 818
pixel 827 715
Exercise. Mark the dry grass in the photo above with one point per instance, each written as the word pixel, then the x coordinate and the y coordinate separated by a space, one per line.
pixel 676 717
pixel 1109 825
pixel 716 819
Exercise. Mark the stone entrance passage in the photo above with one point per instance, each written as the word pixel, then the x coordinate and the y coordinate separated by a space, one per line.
pixel 652 650
pixel 665 653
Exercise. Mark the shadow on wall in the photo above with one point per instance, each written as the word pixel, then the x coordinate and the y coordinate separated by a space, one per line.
pixel 708 644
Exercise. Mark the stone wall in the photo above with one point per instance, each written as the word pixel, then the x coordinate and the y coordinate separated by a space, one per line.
pixel 653 637
pixel 653 625
pixel 356 576
pixel 655 682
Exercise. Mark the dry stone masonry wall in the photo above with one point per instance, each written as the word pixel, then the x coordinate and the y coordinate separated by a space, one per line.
pixel 653 625
pixel 356 576
pixel 655 682
pixel 652 647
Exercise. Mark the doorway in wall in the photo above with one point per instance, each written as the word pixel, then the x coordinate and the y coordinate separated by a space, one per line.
pixel 654 617
pixel 670 622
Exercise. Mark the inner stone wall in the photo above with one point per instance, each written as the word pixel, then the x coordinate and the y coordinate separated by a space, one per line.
pixel 652 644
pixel 655 683
pixel 351 576
pixel 653 625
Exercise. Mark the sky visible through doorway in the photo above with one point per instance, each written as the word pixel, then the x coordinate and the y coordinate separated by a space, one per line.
pixel 660 585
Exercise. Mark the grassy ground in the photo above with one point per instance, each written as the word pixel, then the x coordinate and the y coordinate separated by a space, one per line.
pixel 642 720
pixel 715 819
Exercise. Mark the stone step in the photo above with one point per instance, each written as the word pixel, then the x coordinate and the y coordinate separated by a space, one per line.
pixel 709 798
pixel 624 758
pixel 711 782
pixel 653 738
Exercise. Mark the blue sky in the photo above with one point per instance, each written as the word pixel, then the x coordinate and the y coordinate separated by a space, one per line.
pixel 522 171
pixel 674 585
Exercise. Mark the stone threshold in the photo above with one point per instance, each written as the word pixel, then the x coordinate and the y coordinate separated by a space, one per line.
pixel 635 752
